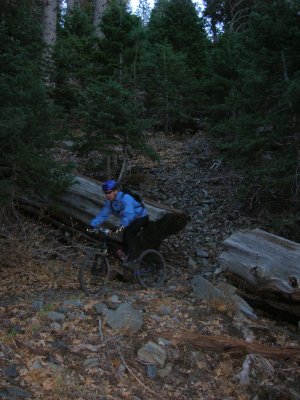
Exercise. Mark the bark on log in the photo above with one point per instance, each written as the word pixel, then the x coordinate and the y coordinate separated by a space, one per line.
pixel 82 201
pixel 266 265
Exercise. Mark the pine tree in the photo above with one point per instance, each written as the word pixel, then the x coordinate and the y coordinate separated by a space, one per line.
pixel 177 31
pixel 26 137
pixel 177 22
pixel 110 116
pixel 123 38
pixel 96 78
pixel 76 60
pixel 169 85
pixel 256 73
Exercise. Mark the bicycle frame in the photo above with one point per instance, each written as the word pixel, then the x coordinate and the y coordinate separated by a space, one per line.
pixel 149 268
pixel 102 247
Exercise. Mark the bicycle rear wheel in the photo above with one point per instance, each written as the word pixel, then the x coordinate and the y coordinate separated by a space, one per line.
pixel 93 273
pixel 150 270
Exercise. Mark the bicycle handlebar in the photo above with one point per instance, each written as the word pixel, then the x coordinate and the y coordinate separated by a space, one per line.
pixel 105 231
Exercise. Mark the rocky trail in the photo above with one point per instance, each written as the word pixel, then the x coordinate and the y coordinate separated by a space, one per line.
pixel 56 343
pixel 192 177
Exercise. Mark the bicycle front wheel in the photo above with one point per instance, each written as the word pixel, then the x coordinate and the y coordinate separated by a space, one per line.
pixel 151 269
pixel 93 273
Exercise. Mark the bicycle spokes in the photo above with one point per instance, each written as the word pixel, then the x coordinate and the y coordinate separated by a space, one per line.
pixel 93 273
pixel 150 270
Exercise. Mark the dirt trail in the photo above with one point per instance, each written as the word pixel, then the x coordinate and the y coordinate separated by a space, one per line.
pixel 63 347
pixel 190 176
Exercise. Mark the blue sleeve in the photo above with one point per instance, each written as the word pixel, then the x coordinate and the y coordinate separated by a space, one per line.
pixel 128 213
pixel 102 216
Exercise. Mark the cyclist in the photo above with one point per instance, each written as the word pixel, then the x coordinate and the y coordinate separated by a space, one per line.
pixel 132 214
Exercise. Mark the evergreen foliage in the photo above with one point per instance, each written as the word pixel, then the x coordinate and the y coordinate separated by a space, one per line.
pixel 169 85
pixel 26 134
pixel 244 82
pixel 177 48
pixel 253 106
pixel 75 59
pixel 110 117
pixel 96 79
pixel 177 23
pixel 123 44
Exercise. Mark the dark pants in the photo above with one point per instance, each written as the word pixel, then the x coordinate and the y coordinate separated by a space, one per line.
pixel 130 233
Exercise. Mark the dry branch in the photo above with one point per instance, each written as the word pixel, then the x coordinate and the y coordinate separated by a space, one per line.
pixel 233 346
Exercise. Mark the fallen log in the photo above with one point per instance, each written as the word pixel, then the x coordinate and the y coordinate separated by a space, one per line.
pixel 267 266
pixel 233 346
pixel 78 204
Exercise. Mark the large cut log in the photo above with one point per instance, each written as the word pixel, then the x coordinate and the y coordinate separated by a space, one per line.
pixel 79 203
pixel 265 265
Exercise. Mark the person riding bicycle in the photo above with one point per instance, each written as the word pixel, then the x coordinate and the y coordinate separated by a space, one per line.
pixel 132 214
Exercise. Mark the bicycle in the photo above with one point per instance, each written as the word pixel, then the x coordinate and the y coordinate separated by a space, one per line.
pixel 149 268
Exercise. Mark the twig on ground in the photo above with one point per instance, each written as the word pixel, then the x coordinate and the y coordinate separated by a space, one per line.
pixel 137 379
pixel 100 329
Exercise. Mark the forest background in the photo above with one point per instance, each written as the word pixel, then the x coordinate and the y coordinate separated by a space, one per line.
pixel 97 77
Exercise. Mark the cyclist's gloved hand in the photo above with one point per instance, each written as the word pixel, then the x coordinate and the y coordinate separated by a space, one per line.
pixel 119 229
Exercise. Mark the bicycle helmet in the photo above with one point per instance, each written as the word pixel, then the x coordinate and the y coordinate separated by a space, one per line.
pixel 109 185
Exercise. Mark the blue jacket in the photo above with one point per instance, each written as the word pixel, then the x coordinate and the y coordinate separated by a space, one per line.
pixel 124 206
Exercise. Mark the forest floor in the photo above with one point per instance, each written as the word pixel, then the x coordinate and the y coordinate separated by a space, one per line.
pixel 56 343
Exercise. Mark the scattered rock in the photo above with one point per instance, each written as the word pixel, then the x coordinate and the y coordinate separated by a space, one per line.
pixel 164 342
pixel 101 309
pixel 163 372
pixel 74 303
pixel 74 316
pixel 91 363
pixel 164 309
pixel 56 316
pixel 191 263
pixel 11 371
pixel 18 392
pixel 152 353
pixel 55 326
pixel 125 317
pixel 151 371
pixel 205 290
pixel 114 299
pixel 38 305
pixel 60 345
pixel 202 253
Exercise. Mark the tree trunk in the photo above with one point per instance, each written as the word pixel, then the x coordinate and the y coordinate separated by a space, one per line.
pixel 74 209
pixel 99 7
pixel 267 266
pixel 70 5
pixel 49 22
pixel 49 38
